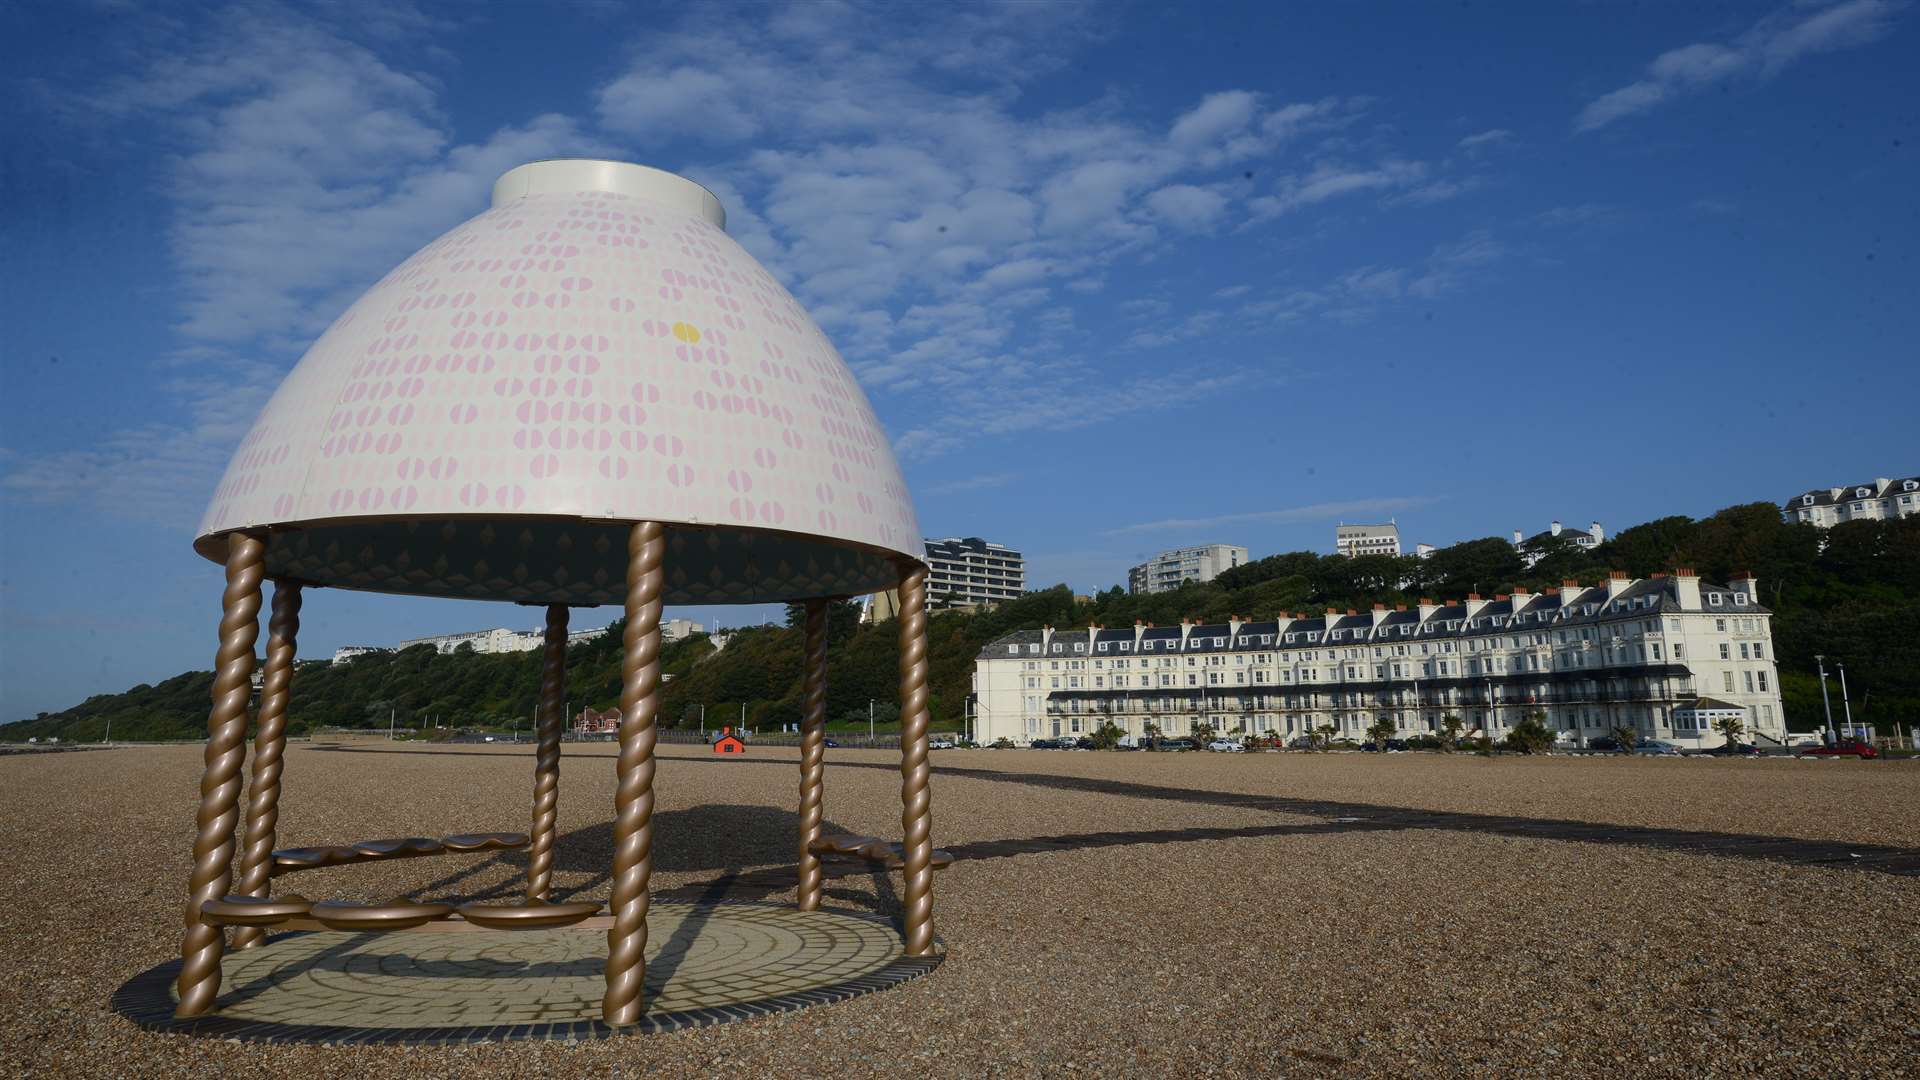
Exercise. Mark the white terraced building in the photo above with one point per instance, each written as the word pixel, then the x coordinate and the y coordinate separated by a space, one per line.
pixel 1881 500
pixel 500 639
pixel 1644 653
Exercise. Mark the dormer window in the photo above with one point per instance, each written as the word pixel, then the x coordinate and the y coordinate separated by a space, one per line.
pixel 1013 650
pixel 1057 648
pixel 1221 642
pixel 1714 599
pixel 1740 598
pixel 1126 646
pixel 1079 646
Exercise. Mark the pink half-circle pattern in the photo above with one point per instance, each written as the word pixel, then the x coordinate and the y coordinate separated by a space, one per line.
pixel 593 355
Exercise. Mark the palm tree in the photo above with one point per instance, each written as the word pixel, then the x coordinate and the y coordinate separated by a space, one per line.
pixel 1380 732
pixel 1625 736
pixel 1732 727
pixel 1451 726
pixel 1326 733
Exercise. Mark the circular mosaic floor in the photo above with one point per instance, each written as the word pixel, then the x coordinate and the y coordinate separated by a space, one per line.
pixel 706 964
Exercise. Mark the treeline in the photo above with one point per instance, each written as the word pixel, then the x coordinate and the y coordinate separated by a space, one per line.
pixel 1851 592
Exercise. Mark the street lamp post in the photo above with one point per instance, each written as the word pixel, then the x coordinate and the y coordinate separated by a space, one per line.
pixel 1825 701
pixel 869 721
pixel 1845 704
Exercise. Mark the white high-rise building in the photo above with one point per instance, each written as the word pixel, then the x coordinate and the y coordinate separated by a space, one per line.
pixel 1664 656
pixel 1172 569
pixel 1354 541
pixel 1881 500
pixel 969 570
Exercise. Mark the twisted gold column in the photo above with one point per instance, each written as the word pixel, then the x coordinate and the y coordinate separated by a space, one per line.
pixel 546 759
pixel 916 815
pixel 200 948
pixel 813 754
pixel 633 797
pixel 269 745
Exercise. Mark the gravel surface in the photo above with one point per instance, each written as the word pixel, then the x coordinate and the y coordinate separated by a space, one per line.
pixel 1138 921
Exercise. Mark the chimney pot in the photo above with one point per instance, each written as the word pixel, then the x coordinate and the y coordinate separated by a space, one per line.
pixel 1617 575
pixel 1569 584
pixel 1473 596
pixel 1379 607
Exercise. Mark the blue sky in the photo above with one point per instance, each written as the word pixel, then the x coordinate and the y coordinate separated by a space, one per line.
pixel 1116 278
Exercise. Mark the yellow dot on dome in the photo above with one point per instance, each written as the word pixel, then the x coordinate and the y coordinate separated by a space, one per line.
pixel 686 332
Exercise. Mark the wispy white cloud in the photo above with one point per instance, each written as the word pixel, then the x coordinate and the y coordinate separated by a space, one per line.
pixel 1484 139
pixel 1578 214
pixel 1331 180
pixel 1327 511
pixel 968 484
pixel 1763 51
pixel 304 166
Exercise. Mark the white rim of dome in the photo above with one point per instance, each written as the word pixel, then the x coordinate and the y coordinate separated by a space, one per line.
pixel 571 175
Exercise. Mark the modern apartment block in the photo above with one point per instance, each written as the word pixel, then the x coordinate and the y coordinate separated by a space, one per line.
pixel 1592 538
pixel 1354 541
pixel 1663 655
pixel 1881 500
pixel 1172 569
pixel 970 570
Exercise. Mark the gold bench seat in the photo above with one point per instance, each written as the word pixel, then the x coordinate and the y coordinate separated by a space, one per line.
pixel 528 916
pixel 394 915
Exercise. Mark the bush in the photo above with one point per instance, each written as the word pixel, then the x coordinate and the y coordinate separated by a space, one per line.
pixel 1105 737
pixel 1531 735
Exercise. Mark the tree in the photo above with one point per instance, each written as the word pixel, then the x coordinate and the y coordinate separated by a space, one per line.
pixel 1731 727
pixel 1381 730
pixel 1324 735
pixel 1203 732
pixel 1625 737
pixel 1105 737
pixel 1531 735
pixel 1451 726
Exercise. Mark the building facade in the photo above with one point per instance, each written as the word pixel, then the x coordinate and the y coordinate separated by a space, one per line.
pixel 502 640
pixel 1648 654
pixel 1172 569
pixel 1881 500
pixel 1354 541
pixel 1587 541
pixel 969 570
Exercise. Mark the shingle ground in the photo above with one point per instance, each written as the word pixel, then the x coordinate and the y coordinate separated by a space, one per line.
pixel 1112 914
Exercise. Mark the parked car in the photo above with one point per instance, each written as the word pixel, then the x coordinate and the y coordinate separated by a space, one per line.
pixel 1605 744
pixel 1844 748
pixel 1044 744
pixel 1732 749
pixel 940 742
pixel 1657 747
pixel 1300 742
pixel 1175 744
pixel 1394 746
pixel 1227 746
pixel 833 742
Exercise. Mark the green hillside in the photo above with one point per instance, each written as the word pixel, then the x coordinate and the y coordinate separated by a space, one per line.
pixel 1857 598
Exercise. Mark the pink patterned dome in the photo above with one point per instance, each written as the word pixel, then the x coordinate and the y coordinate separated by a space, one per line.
pixel 590 351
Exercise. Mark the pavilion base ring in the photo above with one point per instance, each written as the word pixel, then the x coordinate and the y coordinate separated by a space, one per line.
pixel 707 963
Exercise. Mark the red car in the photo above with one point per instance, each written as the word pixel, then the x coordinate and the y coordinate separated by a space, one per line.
pixel 1843 748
